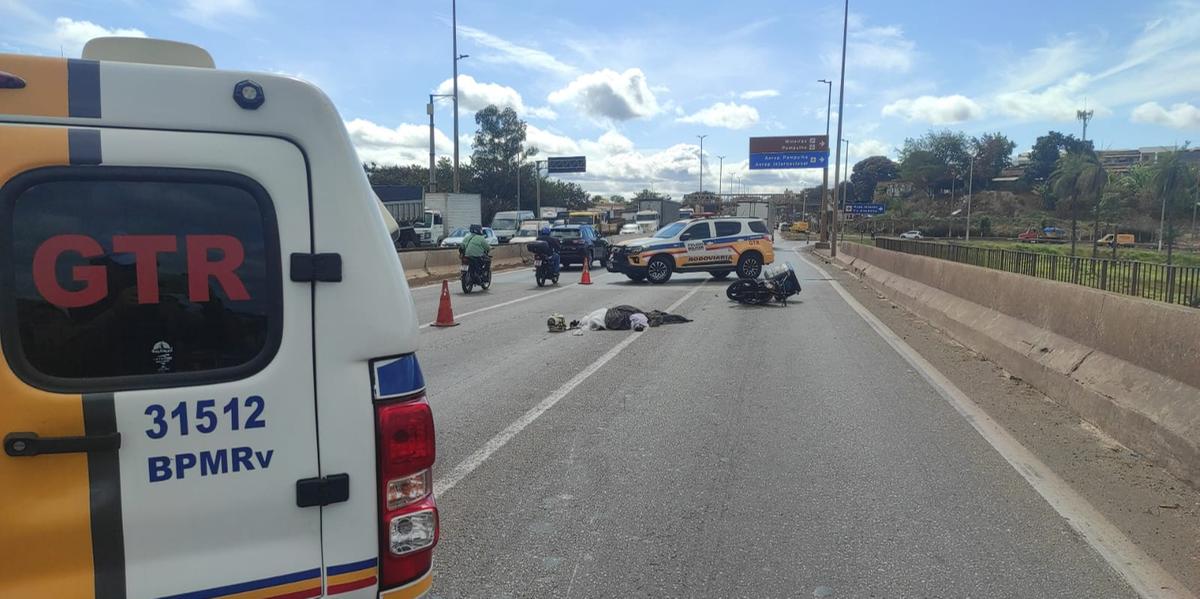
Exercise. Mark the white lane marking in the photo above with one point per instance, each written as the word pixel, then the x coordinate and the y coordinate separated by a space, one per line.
pixel 495 276
pixel 508 303
pixel 1147 578
pixel 481 455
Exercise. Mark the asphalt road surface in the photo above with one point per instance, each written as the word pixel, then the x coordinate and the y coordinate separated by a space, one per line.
pixel 755 452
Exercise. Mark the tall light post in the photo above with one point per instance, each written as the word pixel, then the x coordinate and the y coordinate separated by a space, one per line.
pixel 720 176
pixel 846 182
pixel 970 188
pixel 537 175
pixel 841 119
pixel 457 57
pixel 825 171
pixel 701 137
pixel 432 164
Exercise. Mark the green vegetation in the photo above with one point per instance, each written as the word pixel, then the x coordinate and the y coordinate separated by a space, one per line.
pixel 1132 254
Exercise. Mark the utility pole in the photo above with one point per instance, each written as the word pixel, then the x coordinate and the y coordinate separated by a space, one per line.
pixel 518 180
pixel 432 165
pixel 720 175
pixel 847 184
pixel 970 188
pixel 824 221
pixel 702 160
pixel 841 119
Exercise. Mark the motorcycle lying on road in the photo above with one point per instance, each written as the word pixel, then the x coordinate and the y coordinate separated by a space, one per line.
pixel 543 262
pixel 779 282
pixel 476 272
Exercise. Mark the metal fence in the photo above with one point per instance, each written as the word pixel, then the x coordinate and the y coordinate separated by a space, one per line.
pixel 1174 284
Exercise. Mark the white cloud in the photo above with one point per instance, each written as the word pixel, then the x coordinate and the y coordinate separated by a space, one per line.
pixel 608 94
pixel 70 35
pixel 1055 103
pixel 1047 64
pixel 510 53
pixel 476 95
pixel 729 116
pixel 754 94
pixel 1179 116
pixel 18 9
pixel 405 144
pixel 938 110
pixel 878 48
pixel 866 148
pixel 549 144
pixel 209 12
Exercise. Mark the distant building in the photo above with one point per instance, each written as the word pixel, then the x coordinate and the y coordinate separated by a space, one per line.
pixel 1118 162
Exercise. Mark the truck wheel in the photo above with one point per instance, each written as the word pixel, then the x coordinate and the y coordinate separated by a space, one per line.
pixel 750 265
pixel 658 271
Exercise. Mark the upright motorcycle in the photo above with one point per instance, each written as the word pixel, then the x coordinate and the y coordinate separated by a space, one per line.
pixel 476 272
pixel 543 262
pixel 779 282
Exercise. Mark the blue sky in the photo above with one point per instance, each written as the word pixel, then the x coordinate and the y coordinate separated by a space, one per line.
pixel 631 83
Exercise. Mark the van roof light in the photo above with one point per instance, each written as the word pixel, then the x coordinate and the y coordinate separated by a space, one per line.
pixel 147 51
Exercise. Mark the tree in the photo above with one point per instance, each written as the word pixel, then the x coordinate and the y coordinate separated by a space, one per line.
pixel 617 199
pixel 1046 152
pixel 646 194
pixel 948 148
pixel 993 153
pixel 922 168
pixel 1175 182
pixel 1121 198
pixel 869 172
pixel 498 147
pixel 1078 177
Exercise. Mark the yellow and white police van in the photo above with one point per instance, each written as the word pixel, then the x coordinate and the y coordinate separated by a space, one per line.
pixel 207 379
pixel 718 246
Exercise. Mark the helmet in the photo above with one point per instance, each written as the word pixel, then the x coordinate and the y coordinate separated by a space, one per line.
pixel 476 230
pixel 556 323
pixel 545 231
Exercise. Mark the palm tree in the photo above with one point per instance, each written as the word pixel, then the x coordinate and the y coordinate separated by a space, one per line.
pixel 1174 179
pixel 1077 177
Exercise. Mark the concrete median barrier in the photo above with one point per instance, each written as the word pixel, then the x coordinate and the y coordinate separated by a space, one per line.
pixel 1125 364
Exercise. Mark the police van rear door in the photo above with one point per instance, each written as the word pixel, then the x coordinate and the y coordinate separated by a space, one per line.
pixel 156 383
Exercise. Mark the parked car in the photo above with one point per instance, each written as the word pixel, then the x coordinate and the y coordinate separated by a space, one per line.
pixel 456 237
pixel 630 229
pixel 1029 236
pixel 912 235
pixel 580 243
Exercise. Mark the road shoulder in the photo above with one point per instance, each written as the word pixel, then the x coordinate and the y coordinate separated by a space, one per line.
pixel 1158 512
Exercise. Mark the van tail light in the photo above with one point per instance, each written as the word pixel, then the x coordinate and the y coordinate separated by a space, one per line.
pixel 408 516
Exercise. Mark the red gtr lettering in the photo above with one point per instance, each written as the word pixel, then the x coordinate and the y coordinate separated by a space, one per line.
pixel 145 250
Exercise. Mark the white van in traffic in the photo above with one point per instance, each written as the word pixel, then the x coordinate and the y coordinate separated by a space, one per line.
pixel 505 224
pixel 208 384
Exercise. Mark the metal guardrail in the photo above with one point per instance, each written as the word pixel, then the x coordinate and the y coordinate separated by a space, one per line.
pixel 1173 284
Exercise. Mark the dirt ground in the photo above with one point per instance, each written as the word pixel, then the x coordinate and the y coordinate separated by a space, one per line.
pixel 1158 512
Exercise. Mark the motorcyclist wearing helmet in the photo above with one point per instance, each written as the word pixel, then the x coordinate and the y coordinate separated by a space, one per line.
pixel 555 247
pixel 475 247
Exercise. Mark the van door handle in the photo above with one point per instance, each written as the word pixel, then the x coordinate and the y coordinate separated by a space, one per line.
pixel 23 445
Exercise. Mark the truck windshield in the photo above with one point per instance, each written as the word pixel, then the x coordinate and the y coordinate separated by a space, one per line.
pixel 504 224
pixel 670 230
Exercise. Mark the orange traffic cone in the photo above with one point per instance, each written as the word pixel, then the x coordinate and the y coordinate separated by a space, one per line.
pixel 445 317
pixel 586 279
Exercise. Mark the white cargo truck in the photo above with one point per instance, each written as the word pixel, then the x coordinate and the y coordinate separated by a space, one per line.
pixel 445 212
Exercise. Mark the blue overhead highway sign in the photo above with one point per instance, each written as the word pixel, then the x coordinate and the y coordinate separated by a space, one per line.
pixel 853 208
pixel 789 160
pixel 566 164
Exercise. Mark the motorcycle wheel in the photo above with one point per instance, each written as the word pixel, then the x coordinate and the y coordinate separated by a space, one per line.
pixel 555 279
pixel 485 281
pixel 466 284
pixel 742 291
pixel 541 282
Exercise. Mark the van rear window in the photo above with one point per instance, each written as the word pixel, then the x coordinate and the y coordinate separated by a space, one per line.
pixel 120 278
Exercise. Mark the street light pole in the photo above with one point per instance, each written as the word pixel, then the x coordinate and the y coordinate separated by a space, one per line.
pixel 537 174
pixel 970 188
pixel 702 160
pixel 720 176
pixel 454 50
pixel 825 172
pixel 847 183
pixel 841 119
pixel 432 164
